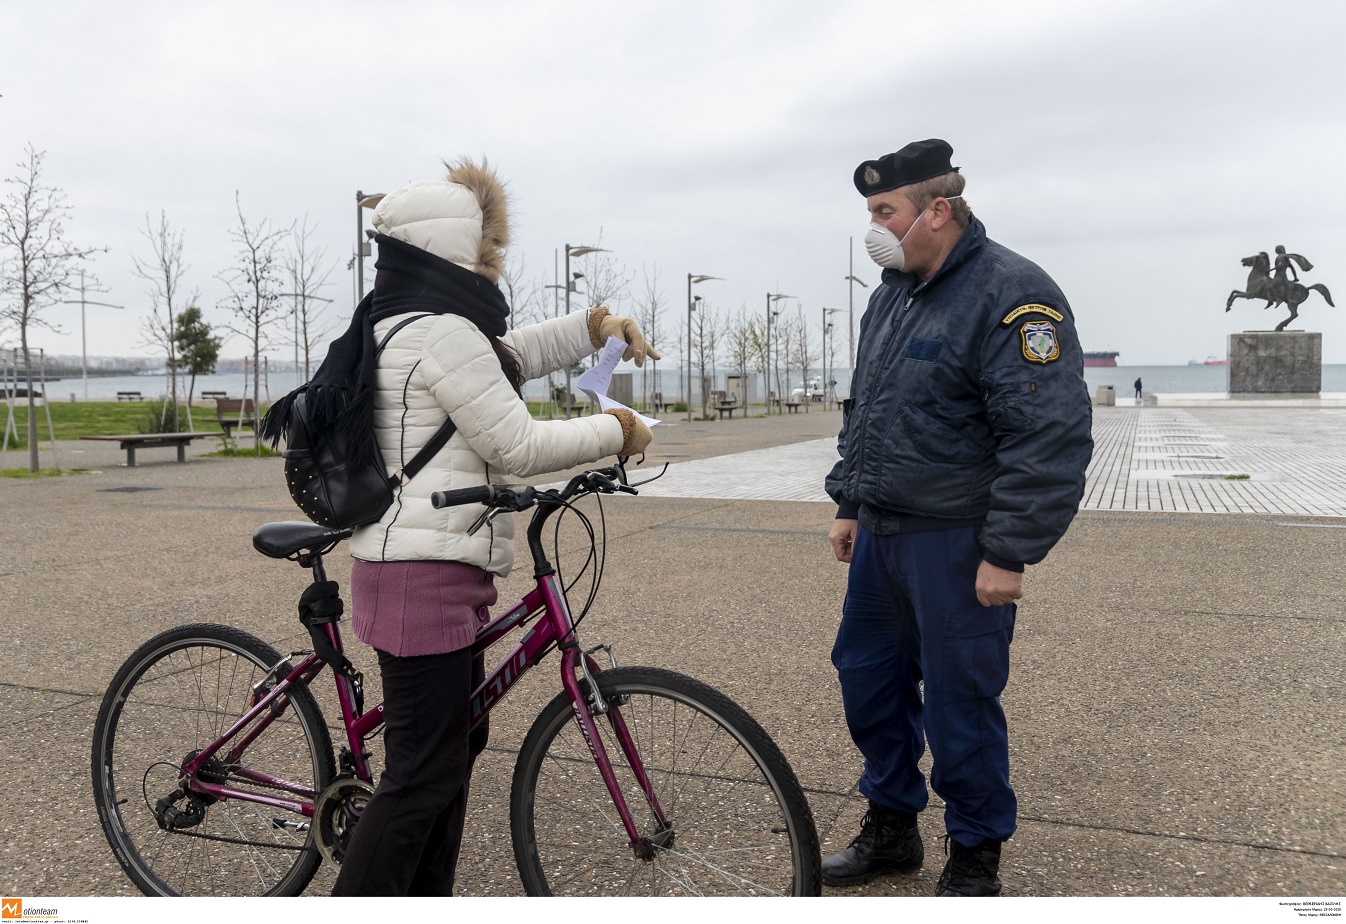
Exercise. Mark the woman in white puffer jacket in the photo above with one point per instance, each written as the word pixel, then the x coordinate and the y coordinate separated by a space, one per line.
pixel 421 585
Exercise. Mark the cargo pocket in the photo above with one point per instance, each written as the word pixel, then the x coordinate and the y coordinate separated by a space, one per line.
pixel 976 652
pixel 937 441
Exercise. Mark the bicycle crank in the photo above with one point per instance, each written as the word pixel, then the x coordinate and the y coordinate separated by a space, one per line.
pixel 335 813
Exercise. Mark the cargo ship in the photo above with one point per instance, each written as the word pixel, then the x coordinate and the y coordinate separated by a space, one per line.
pixel 1100 358
pixel 1210 361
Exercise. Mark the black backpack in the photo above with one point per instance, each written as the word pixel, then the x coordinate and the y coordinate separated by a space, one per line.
pixel 334 490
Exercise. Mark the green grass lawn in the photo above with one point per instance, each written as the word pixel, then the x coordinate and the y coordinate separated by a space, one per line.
pixel 72 420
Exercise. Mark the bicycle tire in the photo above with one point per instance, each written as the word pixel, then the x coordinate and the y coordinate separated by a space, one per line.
pixel 741 822
pixel 174 695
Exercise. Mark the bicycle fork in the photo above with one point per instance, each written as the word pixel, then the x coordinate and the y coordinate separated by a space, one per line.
pixel 586 708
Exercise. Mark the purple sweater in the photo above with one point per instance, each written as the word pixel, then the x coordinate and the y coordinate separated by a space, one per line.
pixel 410 608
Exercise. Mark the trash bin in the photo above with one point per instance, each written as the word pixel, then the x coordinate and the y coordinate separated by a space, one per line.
pixel 1106 396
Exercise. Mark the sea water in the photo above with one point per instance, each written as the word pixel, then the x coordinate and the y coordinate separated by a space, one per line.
pixel 1157 380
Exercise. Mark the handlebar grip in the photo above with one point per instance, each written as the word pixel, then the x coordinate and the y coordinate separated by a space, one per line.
pixel 481 494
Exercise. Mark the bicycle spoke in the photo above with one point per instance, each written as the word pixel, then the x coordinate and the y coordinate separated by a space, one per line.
pixel 175 696
pixel 729 830
pixel 726 875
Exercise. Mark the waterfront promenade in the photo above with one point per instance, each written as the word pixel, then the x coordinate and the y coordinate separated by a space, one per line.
pixel 1177 700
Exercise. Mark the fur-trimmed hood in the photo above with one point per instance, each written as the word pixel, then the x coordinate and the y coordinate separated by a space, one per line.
pixel 463 218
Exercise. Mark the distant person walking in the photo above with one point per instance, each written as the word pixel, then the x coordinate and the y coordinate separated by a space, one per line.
pixel 1137 388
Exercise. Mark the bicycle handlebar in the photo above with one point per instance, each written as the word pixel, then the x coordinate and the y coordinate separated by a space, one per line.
pixel 481 494
pixel 515 497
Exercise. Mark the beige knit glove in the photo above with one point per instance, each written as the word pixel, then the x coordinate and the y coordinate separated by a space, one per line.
pixel 604 324
pixel 635 435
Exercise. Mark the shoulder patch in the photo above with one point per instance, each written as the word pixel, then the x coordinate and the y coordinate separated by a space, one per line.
pixel 1052 313
pixel 1040 342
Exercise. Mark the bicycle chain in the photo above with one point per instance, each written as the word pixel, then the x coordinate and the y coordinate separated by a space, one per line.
pixel 236 840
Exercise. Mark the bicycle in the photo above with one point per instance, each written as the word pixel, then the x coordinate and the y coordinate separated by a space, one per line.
pixel 213 768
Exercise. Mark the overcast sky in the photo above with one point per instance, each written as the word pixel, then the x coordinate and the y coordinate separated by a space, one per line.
pixel 1135 150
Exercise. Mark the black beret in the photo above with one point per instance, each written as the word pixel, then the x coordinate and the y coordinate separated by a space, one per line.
pixel 920 160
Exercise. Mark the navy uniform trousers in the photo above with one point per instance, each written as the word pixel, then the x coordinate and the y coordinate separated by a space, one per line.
pixel 911 616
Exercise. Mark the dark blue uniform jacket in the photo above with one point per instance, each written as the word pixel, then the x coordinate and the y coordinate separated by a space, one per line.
pixel 964 410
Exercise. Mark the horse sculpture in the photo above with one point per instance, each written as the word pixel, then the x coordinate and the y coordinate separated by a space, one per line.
pixel 1280 291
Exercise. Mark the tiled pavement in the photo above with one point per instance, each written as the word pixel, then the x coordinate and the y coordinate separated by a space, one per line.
pixel 1285 461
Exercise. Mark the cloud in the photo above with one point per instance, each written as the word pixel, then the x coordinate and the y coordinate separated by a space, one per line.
pixel 1136 150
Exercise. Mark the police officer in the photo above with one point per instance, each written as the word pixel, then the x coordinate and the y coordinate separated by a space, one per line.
pixel 963 449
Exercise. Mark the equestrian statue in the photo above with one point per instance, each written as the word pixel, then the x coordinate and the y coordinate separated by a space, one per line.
pixel 1281 289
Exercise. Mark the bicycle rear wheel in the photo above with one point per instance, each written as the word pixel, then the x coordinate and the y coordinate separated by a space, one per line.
pixel 740 824
pixel 174 696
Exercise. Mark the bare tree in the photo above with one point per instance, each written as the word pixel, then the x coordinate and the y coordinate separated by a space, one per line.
pixel 606 283
pixel 164 273
pixel 782 348
pixel 254 292
pixel 648 308
pixel 524 294
pixel 706 333
pixel 307 268
pixel 759 342
pixel 738 341
pixel 36 263
pixel 804 356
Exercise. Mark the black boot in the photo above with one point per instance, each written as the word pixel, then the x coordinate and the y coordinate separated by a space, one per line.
pixel 970 870
pixel 888 842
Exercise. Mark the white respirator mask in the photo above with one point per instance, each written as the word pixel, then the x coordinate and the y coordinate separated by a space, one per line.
pixel 885 248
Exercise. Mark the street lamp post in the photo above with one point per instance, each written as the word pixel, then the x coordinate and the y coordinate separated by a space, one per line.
pixel 83 332
pixel 362 248
pixel 827 330
pixel 851 278
pixel 770 297
pixel 691 278
pixel 570 287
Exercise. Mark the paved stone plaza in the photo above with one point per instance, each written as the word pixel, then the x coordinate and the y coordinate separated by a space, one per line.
pixel 1176 702
pixel 1289 461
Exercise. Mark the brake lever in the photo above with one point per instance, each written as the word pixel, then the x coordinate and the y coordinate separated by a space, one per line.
pixel 661 474
pixel 481 520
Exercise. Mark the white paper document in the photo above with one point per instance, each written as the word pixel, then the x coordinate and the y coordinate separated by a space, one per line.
pixel 594 382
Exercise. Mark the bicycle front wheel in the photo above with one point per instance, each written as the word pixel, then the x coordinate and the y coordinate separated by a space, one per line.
pixel 736 821
pixel 175 695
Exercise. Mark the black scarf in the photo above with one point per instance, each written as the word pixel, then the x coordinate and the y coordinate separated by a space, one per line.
pixel 340 396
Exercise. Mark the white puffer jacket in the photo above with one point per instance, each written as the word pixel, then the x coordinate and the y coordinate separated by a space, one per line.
pixel 442 365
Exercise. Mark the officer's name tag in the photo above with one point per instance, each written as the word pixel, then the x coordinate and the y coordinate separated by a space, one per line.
pixel 1031 309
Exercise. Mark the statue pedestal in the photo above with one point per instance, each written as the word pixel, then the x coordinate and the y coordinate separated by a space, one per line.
pixel 1264 362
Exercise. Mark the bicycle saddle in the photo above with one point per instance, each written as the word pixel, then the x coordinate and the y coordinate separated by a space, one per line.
pixel 282 540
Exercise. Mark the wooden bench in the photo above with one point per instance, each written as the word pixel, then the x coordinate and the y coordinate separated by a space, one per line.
pixel 242 410
pixel 130 396
pixel 728 409
pixel 794 406
pixel 133 441
pixel 572 406
pixel 657 399
pixel 211 395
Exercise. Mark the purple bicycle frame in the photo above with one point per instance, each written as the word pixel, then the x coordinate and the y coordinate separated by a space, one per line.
pixel 554 626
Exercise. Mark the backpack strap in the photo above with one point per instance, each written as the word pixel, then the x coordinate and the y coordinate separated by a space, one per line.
pixel 396 327
pixel 436 443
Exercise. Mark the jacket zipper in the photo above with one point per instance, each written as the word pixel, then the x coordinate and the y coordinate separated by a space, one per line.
pixel 882 364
